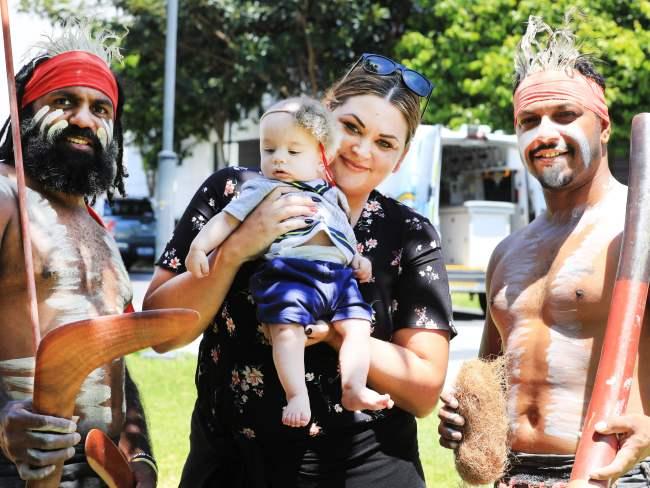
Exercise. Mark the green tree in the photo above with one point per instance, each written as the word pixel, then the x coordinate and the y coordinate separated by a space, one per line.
pixel 466 47
pixel 231 52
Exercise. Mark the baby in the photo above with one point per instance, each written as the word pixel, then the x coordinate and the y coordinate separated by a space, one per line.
pixel 309 274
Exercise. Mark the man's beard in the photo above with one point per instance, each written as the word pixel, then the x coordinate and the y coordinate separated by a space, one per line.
pixel 59 167
pixel 555 177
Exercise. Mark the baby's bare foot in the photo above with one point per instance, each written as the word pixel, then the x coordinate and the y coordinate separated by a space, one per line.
pixel 297 412
pixel 365 399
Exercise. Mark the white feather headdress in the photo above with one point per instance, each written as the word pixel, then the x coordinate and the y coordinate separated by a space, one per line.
pixel 556 50
pixel 77 35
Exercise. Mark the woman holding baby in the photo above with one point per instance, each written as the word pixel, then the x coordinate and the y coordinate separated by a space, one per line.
pixel 237 437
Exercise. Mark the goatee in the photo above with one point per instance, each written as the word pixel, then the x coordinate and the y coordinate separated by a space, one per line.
pixel 555 177
pixel 60 167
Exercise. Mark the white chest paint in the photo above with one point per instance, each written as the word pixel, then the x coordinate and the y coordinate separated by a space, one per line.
pixel 88 276
pixel 570 347
pixel 93 400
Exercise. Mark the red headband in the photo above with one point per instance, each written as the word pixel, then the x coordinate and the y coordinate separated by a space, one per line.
pixel 560 85
pixel 72 68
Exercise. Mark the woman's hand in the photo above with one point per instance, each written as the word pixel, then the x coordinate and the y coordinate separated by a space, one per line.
pixel 362 268
pixel 316 333
pixel 280 212
pixel 322 331
pixel 145 476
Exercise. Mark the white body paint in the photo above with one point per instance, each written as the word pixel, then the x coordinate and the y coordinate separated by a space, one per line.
pixel 18 377
pixel 516 348
pixel 512 296
pixel 79 275
pixel 92 401
pixel 565 407
pixel 567 340
pixel 53 240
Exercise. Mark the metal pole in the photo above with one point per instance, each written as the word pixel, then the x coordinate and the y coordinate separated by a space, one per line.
pixel 167 159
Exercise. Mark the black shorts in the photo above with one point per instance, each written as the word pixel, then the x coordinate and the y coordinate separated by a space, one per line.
pixel 554 470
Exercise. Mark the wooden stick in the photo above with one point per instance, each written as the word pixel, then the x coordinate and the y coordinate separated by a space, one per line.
pixel 20 175
pixel 621 342
pixel 68 354
pixel 106 459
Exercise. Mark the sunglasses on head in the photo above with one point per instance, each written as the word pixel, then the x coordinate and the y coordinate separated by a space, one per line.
pixel 383 66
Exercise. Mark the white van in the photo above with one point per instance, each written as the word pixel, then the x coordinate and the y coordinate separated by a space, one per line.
pixel 472 185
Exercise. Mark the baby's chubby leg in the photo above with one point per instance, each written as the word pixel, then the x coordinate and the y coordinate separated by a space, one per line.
pixel 289 357
pixel 354 357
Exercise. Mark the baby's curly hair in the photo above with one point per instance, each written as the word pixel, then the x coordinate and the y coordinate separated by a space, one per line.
pixel 313 116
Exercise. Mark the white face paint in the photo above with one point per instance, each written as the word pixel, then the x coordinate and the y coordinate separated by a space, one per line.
pixel 39 115
pixel 103 137
pixel 55 129
pixel 105 133
pixel 49 119
pixel 573 131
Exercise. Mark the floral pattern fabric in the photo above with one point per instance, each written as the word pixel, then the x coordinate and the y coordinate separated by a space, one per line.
pixel 236 380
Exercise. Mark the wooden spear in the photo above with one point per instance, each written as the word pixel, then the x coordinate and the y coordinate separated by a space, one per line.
pixel 20 176
pixel 621 342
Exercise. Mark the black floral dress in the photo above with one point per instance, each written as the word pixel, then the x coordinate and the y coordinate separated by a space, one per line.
pixel 240 399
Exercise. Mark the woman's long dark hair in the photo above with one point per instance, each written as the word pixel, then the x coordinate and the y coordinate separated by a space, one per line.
pixel 7 144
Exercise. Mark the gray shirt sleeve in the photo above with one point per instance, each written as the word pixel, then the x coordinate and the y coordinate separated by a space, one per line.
pixel 251 194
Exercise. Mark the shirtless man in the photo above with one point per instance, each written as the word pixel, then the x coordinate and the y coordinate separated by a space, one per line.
pixel 550 284
pixel 70 107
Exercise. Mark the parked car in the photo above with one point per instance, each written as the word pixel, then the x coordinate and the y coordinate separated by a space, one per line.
pixel 133 224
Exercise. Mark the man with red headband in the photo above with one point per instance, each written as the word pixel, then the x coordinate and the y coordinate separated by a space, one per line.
pixel 549 284
pixel 70 109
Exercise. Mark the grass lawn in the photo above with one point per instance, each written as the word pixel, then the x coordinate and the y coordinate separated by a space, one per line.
pixel 167 391
pixel 465 301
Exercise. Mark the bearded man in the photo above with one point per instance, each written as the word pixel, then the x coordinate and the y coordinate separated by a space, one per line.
pixel 550 283
pixel 71 106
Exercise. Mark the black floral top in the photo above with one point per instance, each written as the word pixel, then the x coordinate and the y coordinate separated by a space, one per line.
pixel 236 380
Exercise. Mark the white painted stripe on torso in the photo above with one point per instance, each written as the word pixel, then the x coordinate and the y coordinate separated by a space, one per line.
pixel 18 377
pixel 63 258
pixel 515 349
pixel 18 380
pixel 92 394
pixel 568 362
pixel 125 290
pixel 569 349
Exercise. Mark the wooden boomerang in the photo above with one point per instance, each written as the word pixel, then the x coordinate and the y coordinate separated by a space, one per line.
pixel 621 342
pixel 102 452
pixel 68 354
